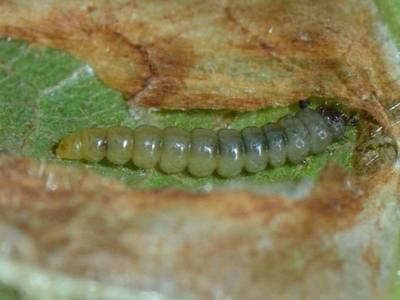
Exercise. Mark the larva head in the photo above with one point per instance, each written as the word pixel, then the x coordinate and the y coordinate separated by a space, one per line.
pixel 70 147
pixel 335 119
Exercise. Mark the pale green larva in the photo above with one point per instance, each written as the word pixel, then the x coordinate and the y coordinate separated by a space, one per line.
pixel 203 152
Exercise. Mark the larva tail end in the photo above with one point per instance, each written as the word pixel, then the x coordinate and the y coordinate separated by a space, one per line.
pixel 70 147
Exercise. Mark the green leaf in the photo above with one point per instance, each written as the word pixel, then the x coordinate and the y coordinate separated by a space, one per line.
pixel 9 293
pixel 390 12
pixel 46 94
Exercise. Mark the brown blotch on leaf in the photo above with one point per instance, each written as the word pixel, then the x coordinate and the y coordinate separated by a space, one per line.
pixel 94 228
pixel 235 55
pixel 375 148
pixel 118 62
pixel 336 198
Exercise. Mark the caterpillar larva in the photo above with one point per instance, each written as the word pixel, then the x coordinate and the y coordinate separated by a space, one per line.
pixel 204 151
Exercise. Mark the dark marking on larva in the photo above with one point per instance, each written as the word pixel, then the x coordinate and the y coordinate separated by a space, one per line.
pixel 203 152
pixel 304 103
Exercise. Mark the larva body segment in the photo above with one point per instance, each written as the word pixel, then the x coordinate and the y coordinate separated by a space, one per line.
pixel 94 144
pixel 119 145
pixel 335 121
pixel 203 152
pixel 256 153
pixel 320 135
pixel 175 150
pixel 231 153
pixel 70 147
pixel 147 146
pixel 276 143
pixel 297 137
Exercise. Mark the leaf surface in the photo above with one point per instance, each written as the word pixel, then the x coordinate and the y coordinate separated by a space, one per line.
pixel 74 229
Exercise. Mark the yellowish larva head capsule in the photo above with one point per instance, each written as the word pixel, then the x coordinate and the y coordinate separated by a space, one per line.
pixel 70 147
